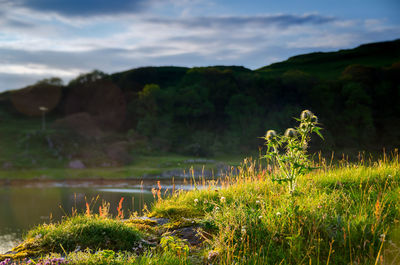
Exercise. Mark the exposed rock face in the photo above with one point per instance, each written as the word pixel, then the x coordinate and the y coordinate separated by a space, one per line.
pixel 82 124
pixel 28 100
pixel 103 100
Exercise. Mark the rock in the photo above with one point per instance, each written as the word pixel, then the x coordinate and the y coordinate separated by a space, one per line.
pixel 76 164
pixel 190 233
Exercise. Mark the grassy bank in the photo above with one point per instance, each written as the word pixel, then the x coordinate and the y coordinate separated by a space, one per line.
pixel 344 214
pixel 143 165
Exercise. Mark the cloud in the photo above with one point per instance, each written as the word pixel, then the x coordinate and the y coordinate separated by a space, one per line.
pixel 282 20
pixel 18 24
pixel 81 7
pixel 40 39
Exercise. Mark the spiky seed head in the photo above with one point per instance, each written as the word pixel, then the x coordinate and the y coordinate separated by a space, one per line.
pixel 314 119
pixel 306 115
pixel 303 126
pixel 290 132
pixel 270 134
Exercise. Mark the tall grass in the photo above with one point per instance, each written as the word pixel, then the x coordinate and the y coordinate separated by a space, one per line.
pixel 341 214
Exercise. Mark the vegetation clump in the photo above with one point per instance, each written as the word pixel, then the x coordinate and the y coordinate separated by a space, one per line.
pixel 292 161
pixel 78 233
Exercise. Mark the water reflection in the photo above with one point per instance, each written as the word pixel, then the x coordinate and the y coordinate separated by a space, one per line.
pixel 23 207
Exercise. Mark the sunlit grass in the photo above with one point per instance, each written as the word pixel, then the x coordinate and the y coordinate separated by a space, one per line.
pixel 341 215
pixel 347 213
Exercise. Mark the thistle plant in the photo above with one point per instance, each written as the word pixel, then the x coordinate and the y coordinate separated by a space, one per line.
pixel 288 153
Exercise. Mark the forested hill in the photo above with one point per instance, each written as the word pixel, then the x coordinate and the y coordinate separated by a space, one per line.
pixel 332 64
pixel 209 110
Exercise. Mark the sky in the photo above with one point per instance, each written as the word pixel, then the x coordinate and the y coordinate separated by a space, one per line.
pixel 64 38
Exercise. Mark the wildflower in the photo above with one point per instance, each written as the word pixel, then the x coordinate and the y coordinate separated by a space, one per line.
pixel 260 217
pixel 243 230
pixel 196 201
pixel 290 132
pixel 278 214
pixel 257 201
pixel 270 135
pixel 216 208
pixel 222 199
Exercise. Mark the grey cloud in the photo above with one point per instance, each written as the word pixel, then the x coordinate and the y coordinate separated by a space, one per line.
pixel 81 7
pixel 18 24
pixel 235 21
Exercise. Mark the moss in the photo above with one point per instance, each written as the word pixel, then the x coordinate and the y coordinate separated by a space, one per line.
pixel 183 222
pixel 141 221
pixel 28 248
pixel 146 225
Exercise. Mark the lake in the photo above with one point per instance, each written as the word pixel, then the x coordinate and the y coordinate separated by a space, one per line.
pixel 27 204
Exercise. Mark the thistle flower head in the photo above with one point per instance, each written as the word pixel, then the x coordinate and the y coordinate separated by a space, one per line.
pixel 304 126
pixel 290 132
pixel 270 135
pixel 306 115
pixel 314 119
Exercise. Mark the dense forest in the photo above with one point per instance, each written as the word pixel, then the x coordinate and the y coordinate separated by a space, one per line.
pixel 226 109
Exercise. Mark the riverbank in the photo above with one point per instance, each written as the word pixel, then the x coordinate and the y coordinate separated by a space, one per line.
pixel 160 166
pixel 344 214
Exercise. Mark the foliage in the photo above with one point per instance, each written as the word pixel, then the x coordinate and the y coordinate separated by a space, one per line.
pixel 355 90
pixel 174 245
pixel 81 232
pixel 293 161
pixel 341 214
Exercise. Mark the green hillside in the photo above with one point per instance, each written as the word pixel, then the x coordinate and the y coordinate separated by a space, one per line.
pixel 331 64
pixel 205 111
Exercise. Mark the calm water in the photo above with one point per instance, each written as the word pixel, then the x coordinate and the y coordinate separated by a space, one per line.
pixel 25 206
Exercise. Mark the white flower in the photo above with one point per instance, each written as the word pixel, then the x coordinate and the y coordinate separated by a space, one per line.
pixel 216 208
pixel 196 201
pixel 243 230
pixel 260 217
pixel 257 201
pixel 222 199
pixel 278 214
